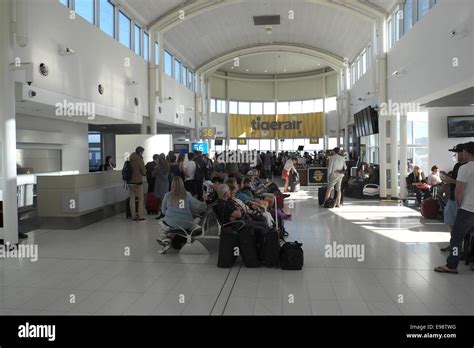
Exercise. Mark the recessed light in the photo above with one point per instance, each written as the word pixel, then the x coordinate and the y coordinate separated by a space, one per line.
pixel 266 71
pixel 319 64
pixel 246 69
pixel 284 70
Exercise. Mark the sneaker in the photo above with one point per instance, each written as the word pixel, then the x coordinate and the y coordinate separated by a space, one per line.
pixel 140 220
pixel 446 249
pixel 164 241
pixel 164 249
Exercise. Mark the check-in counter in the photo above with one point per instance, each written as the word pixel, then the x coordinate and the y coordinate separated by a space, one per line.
pixel 74 201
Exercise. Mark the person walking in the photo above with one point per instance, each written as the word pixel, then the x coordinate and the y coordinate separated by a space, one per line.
pixel 336 170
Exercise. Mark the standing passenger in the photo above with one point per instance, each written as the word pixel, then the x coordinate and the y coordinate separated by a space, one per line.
pixel 135 184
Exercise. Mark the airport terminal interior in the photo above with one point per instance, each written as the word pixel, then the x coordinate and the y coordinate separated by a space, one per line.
pixel 335 124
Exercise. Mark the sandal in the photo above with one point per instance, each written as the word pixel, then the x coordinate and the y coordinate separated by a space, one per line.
pixel 445 269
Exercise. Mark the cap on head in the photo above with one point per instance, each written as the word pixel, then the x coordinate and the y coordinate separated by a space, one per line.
pixel 458 148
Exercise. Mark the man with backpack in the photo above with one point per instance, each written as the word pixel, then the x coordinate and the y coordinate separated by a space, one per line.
pixel 133 173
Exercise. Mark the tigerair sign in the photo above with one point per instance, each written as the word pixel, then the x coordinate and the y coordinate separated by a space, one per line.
pixel 310 125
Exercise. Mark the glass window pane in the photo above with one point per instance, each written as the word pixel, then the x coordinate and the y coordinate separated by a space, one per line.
pixel 308 106
pixel 233 107
pixel 138 46
pixel 64 2
pixel 107 18
pixel 295 107
pixel 168 64
pixel 254 144
pixel 256 108
pixel 177 69
pixel 244 108
pixel 146 46
pixel 94 138
pixel 233 144
pixel 423 7
pixel 269 108
pixel 408 15
pixel 85 9
pixel 318 105
pixel 184 74
pixel 157 53
pixel 124 30
pixel 265 145
pixel 331 104
pixel 213 105
pixel 364 62
pixel 283 108
pixel 221 106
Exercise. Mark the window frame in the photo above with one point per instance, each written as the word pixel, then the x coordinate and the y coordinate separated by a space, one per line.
pixel 166 52
pixel 145 45
pixel 99 17
pixel 120 12
pixel 177 60
pixel 140 39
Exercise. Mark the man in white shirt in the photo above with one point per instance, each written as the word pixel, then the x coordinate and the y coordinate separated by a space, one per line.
pixel 336 170
pixel 464 194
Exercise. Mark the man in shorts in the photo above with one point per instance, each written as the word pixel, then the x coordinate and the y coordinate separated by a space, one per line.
pixel 336 169
pixel 450 210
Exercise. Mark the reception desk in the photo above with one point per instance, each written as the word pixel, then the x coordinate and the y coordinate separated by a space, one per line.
pixel 74 201
pixel 313 176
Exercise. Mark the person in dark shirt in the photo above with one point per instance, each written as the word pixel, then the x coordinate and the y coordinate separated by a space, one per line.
pixel 415 179
pixel 450 210
pixel 149 169
pixel 225 209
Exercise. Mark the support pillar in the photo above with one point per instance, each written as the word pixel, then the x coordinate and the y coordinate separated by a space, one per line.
pixel 152 83
pixel 8 175
pixel 382 64
pixel 403 155
pixel 394 157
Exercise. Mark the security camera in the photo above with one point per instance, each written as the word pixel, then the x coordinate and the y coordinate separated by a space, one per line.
pixel 453 32
pixel 31 93
pixel 132 82
pixel 66 51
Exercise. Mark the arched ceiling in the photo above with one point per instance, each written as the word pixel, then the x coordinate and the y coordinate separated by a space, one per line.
pixel 326 25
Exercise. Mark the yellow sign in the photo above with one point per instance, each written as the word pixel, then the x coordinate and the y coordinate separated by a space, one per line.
pixel 207 133
pixel 314 140
pixel 242 141
pixel 310 125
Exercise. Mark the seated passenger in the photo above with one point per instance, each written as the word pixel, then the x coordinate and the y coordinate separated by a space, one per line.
pixel 247 188
pixel 434 178
pixel 417 182
pixel 225 209
pixel 177 207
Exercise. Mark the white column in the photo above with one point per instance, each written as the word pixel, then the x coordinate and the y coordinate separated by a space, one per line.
pixel 7 128
pixel 227 118
pixel 152 83
pixel 383 126
pixel 393 156
pixel 209 96
pixel 403 155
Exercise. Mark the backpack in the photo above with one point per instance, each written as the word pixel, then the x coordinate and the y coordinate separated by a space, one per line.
pixel 127 171
pixel 291 256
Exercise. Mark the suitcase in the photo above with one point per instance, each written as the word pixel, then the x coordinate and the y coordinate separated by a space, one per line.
pixel 429 208
pixel 322 193
pixel 248 246
pixel 128 213
pixel 280 200
pixel 152 203
pixel 468 247
pixel 295 182
pixel 229 240
pixel 291 256
pixel 269 248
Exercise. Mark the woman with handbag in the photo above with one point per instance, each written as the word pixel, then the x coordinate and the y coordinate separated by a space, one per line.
pixel 417 180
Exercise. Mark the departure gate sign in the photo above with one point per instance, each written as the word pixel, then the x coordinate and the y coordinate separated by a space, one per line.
pixel 207 133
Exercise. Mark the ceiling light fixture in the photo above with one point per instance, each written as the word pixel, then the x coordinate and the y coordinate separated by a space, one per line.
pixel 269 30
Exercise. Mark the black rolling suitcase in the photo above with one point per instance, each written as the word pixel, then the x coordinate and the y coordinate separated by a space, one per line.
pixel 269 245
pixel 248 246
pixel 291 256
pixel 295 182
pixel 322 193
pixel 229 240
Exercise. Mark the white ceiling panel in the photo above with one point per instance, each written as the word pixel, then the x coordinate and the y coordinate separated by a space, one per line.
pixel 230 27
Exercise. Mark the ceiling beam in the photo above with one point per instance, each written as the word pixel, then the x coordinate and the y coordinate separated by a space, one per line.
pixel 330 59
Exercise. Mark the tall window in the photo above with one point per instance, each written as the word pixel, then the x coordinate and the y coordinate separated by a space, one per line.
pixel 177 69
pixel 138 46
pixel 157 53
pixel 213 105
pixel 244 108
pixel 308 106
pixel 107 17
pixel 168 67
pixel 364 62
pixel 124 29
pixel 220 107
pixel 64 2
pixel 295 107
pixel 423 7
pixel 184 75
pixel 256 108
pixel 283 108
pixel 190 79
pixel 408 15
pixel 146 46
pixel 85 9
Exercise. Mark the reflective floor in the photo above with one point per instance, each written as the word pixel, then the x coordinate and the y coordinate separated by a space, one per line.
pixel 113 267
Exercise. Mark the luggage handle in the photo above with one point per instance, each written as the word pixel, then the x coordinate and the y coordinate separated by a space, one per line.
pixel 276 213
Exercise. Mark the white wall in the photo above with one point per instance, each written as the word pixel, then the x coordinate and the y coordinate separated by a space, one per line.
pixel 75 150
pixel 218 121
pixel 170 108
pixel 439 142
pixel 98 59
pixel 424 55
pixel 362 89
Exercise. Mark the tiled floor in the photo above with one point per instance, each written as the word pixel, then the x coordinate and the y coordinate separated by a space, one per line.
pixel 90 271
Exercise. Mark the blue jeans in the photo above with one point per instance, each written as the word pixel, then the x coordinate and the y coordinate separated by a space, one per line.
pixel 463 224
